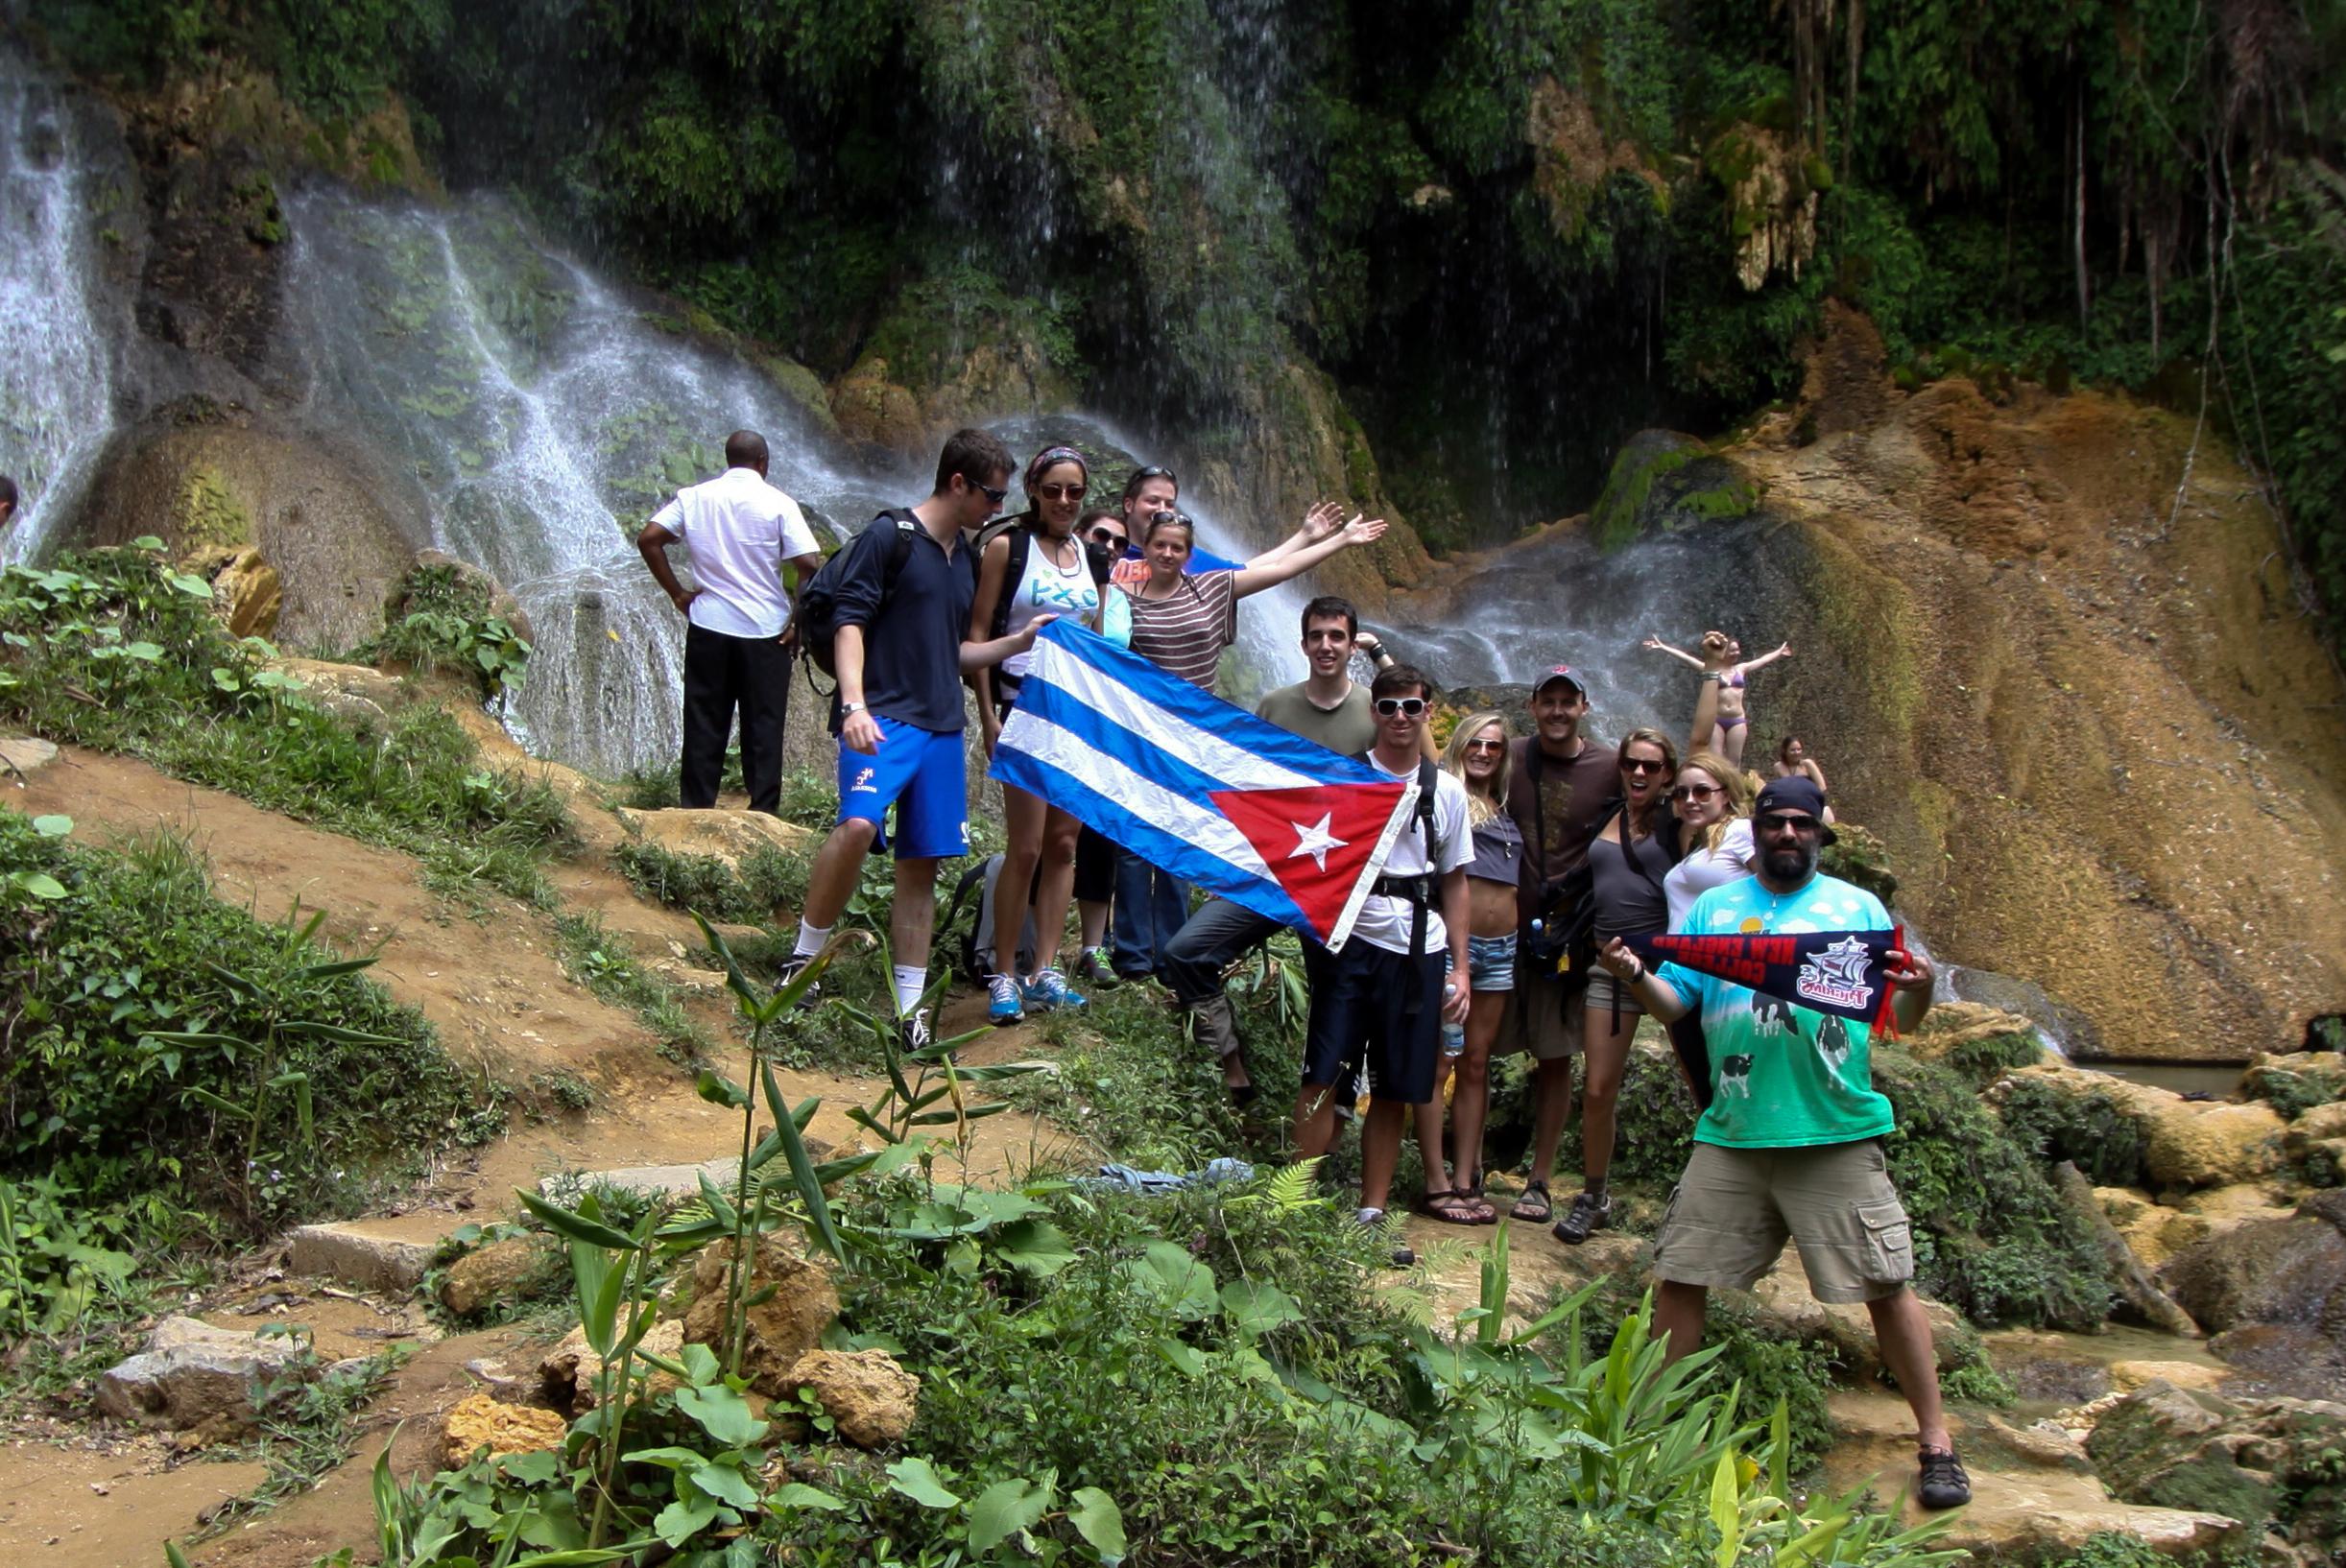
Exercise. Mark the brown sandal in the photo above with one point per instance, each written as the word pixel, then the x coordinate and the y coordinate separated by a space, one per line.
pixel 1533 1207
pixel 1449 1208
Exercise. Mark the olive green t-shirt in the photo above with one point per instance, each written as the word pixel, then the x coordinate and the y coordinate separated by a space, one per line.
pixel 1349 727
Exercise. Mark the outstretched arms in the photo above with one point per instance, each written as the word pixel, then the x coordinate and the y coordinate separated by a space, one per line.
pixel 1660 647
pixel 1292 560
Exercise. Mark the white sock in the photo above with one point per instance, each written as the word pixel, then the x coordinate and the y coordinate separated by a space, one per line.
pixel 810 939
pixel 911 980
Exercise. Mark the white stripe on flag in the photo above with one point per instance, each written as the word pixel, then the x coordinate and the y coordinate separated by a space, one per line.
pixel 1202 748
pixel 1201 825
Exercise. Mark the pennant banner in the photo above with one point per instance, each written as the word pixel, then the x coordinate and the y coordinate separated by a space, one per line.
pixel 1841 972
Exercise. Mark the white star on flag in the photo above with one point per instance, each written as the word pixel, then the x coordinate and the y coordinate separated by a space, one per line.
pixel 1316 841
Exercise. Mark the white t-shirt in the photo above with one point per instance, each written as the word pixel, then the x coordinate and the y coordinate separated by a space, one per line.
pixel 740 530
pixel 1385 921
pixel 1707 869
pixel 1047 589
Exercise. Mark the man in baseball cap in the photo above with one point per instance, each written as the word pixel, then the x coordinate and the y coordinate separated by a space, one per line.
pixel 1796 795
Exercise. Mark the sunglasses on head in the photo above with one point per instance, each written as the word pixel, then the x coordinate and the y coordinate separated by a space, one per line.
pixel 1643 764
pixel 1388 706
pixel 1694 792
pixel 1062 492
pixel 1152 472
pixel 1775 821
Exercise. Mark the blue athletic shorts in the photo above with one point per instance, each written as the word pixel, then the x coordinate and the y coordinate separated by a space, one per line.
pixel 923 773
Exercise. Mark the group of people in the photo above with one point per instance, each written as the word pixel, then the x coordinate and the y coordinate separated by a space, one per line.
pixel 1495 925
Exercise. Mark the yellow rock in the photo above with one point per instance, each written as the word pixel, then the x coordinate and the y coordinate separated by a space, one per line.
pixel 872 1399
pixel 2130 1375
pixel 478 1421
pixel 2205 1144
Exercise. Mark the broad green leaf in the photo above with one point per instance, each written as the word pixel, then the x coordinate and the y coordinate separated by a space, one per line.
pixel 679 1521
pixel 1036 1246
pixel 1098 1520
pixel 1185 1359
pixel 1005 1507
pixel 190 584
pixel 1256 1306
pixel 799 1495
pixel 725 1484
pixel 39 883
pixel 228 1107
pixel 723 1414
pixel 582 1557
pixel 917 1479
pixel 1185 1282
pixel 1727 1511
pixel 734 980
pixel 717 1090
pixel 53 825
pixel 577 1226
pixel 802 1166
pixel 667 1458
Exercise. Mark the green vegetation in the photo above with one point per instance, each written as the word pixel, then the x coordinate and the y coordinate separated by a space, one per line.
pixel 114 649
pixel 2092 1130
pixel 172 1047
pixel 310 1421
pixel 743 893
pixel 605 966
pixel 446 614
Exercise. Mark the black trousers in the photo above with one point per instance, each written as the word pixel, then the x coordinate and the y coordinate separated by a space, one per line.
pixel 721 674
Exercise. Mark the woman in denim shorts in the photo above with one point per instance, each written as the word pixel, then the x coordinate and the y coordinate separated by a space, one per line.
pixel 1477 755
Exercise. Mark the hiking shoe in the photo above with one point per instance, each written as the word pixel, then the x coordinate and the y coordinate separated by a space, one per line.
pixel 1091 968
pixel 1002 1004
pixel 789 971
pixel 1587 1214
pixel 912 1031
pixel 1944 1485
pixel 1050 991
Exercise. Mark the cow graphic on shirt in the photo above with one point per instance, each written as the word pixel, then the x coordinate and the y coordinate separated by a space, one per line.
pixel 1832 1045
pixel 1771 1013
pixel 1736 1077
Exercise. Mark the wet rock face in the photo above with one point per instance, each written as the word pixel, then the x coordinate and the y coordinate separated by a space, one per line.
pixel 2274 1292
pixel 2271 1464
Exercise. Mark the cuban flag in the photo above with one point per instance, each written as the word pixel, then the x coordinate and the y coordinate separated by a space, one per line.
pixel 1206 791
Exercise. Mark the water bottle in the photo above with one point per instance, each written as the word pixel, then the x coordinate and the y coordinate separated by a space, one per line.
pixel 1454 1036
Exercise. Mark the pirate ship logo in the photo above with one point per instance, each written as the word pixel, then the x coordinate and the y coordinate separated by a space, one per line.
pixel 1835 975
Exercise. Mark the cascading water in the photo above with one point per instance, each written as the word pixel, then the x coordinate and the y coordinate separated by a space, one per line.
pixel 56 398
pixel 542 416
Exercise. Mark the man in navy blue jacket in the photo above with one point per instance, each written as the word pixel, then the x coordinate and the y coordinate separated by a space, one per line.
pixel 900 654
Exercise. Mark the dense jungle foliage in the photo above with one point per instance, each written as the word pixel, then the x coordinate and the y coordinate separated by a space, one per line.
pixel 1509 229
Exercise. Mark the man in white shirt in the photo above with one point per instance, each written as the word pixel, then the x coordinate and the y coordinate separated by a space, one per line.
pixel 1384 997
pixel 742 532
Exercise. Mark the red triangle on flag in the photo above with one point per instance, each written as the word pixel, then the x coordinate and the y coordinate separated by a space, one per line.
pixel 1317 840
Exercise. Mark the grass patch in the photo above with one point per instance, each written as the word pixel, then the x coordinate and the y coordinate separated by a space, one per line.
pixel 114 649
pixel 310 1419
pixel 750 893
pixel 590 956
pixel 130 944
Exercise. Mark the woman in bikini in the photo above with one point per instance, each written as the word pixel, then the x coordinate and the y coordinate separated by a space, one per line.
pixel 1477 756
pixel 1722 664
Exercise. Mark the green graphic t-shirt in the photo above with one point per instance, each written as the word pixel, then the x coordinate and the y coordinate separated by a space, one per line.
pixel 1781 1075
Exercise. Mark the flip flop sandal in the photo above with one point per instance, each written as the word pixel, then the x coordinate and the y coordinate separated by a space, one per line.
pixel 1449 1208
pixel 1533 1208
pixel 1486 1213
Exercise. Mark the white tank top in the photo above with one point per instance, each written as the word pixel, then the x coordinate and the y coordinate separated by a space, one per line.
pixel 1047 590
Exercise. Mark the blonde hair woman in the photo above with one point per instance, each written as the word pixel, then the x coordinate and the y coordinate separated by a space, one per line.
pixel 1713 802
pixel 1477 756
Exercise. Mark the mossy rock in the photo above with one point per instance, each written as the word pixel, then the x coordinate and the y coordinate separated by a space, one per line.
pixel 1663 482
pixel 2278 1466
pixel 1857 856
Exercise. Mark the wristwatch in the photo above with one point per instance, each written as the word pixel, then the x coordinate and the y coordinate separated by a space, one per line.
pixel 846 709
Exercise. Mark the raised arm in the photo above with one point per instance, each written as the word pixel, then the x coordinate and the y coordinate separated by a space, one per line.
pixel 1661 647
pixel 1322 520
pixel 1657 995
pixel 1783 650
pixel 1256 576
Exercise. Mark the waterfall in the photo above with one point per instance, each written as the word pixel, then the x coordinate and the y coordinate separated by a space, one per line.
pixel 56 396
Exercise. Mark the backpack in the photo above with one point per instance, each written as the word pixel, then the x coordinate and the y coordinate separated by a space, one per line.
pixel 818 611
pixel 1418 889
pixel 972 949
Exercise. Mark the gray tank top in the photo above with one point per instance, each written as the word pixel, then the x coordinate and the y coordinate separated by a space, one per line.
pixel 1498 852
pixel 1629 898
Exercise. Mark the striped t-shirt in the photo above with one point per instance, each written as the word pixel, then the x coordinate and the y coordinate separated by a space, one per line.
pixel 1185 633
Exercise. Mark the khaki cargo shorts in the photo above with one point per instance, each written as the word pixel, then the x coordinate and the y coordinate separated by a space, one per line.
pixel 1538 1019
pixel 1733 1209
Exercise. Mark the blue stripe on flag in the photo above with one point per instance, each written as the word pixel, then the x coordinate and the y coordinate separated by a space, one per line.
pixel 1103 734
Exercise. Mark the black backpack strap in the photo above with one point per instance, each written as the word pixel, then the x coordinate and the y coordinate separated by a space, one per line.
pixel 1418 889
pixel 1014 573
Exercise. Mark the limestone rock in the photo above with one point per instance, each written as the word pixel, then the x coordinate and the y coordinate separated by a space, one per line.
pixel 477 1421
pixel 728 836
pixel 1774 193
pixel 871 1399
pixel 2152 1232
pixel 654 1181
pixel 496 1272
pixel 247 592
pixel 1952 1026
pixel 2288 1271
pixel 569 1369
pixel 191 1372
pixel 2322 1123
pixel 1572 158
pixel 1784 1297
pixel 357 1255
pixel 2197 1143
pixel 25 753
pixel 783 1327
pixel 2127 1376
pixel 2271 1460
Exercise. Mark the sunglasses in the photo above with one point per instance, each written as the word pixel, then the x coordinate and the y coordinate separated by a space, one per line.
pixel 1778 823
pixel 1694 792
pixel 997 497
pixel 1485 745
pixel 1642 765
pixel 1388 706
pixel 1062 492
pixel 1108 536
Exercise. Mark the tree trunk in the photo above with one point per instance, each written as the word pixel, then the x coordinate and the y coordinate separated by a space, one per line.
pixel 2084 298
pixel 1849 92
